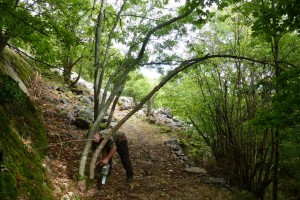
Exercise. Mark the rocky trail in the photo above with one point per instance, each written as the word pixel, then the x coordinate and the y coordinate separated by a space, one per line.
pixel 158 173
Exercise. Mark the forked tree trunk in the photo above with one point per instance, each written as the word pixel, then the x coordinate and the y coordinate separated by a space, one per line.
pixel 97 71
pixel 99 113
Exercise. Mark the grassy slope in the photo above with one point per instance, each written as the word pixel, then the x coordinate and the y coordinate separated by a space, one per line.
pixel 22 133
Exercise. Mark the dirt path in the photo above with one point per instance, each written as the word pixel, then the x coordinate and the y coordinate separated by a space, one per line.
pixel 158 174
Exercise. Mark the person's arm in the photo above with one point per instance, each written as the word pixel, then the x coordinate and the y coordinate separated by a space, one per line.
pixel 96 141
pixel 104 153
pixel 109 155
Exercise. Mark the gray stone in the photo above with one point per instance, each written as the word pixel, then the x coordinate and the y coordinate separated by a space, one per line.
pixel 65 101
pixel 86 114
pixel 126 106
pixel 77 91
pixel 175 147
pixel 113 124
pixel 171 142
pixel 185 158
pixel 179 152
pixel 140 113
pixel 219 181
pixel 195 170
pixel 73 136
pixel 71 117
pixel 87 101
pixel 174 144
pixel 84 118
pixel 126 103
pixel 11 72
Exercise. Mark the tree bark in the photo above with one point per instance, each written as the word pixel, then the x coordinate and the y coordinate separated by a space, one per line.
pixel 97 85
pixel 150 106
pixel 113 108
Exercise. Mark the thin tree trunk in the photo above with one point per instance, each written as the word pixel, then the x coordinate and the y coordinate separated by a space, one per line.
pixel 113 108
pixel 97 85
pixel 150 106
pixel 77 79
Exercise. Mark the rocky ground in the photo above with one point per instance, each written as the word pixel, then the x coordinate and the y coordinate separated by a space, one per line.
pixel 158 173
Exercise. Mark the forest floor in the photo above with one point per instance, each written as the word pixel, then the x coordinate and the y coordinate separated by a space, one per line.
pixel 158 173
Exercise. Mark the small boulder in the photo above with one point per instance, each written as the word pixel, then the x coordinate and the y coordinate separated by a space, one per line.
pixel 218 181
pixel 195 170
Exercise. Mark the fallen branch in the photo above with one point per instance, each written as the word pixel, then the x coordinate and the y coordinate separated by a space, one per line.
pixel 64 142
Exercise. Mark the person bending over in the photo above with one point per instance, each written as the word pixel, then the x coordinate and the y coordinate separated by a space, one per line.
pixel 117 143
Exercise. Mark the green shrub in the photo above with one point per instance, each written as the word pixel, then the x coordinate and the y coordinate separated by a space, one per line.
pixel 9 90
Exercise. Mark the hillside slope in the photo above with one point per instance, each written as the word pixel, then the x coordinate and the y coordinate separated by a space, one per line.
pixel 158 174
pixel 22 134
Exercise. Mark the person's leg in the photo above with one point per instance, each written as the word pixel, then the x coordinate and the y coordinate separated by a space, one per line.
pixel 109 162
pixel 123 152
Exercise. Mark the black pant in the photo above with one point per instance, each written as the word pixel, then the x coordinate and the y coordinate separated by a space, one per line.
pixel 123 151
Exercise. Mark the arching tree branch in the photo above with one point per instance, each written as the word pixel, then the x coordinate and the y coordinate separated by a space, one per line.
pixel 184 65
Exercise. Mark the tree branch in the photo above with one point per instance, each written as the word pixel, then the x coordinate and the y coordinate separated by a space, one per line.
pixel 136 16
pixel 63 142
pixel 20 52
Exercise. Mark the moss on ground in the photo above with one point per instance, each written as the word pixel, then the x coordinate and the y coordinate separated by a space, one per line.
pixel 20 66
pixel 22 134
